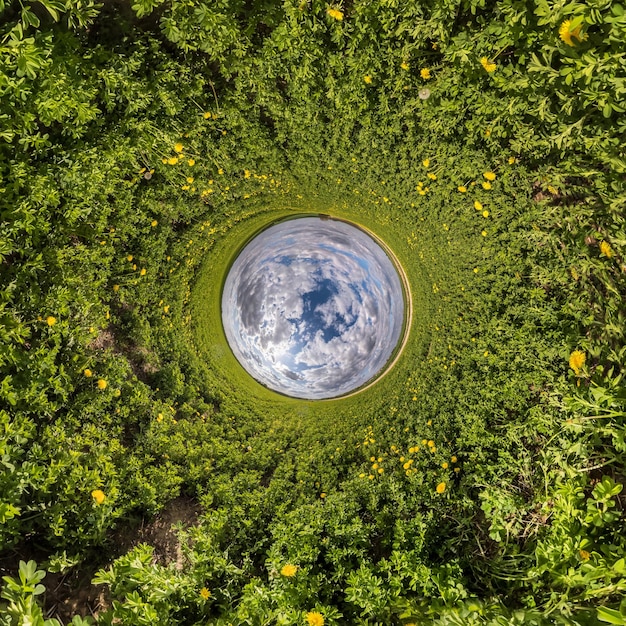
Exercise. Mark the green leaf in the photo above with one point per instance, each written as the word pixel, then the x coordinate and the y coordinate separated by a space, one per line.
pixel 611 616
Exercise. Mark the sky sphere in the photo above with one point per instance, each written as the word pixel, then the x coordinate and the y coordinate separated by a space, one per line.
pixel 312 308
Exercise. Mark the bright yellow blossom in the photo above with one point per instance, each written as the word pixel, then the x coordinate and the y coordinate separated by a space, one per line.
pixel 478 206
pixel 98 496
pixel 489 176
pixel 453 459
pixel 485 213
pixel 577 360
pixel 426 162
pixel 142 272
pixel 205 594
pixel 566 32
pixel 313 618
pixel 368 79
pixel 404 65
pixel 289 570
pixel 178 147
pixel 606 249
pixel 336 14
pixel 462 188
pixel 153 223
pixel 488 65
pixel 172 160
pixel 88 373
pixel 441 487
pixel 102 384
pixel 50 320
pixel 425 73
pixel 486 185
pixel 191 162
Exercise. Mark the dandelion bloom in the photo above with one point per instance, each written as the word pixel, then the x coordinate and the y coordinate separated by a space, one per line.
pixel 102 384
pixel 431 176
pixel 172 160
pixel 444 465
pixel 50 320
pixel 87 372
pixel 368 79
pixel 191 162
pixel 511 160
pixel 605 248
pixel 577 360
pixel 178 147
pixel 289 570
pixel 489 175
pixel 485 213
pixel 566 32
pixel 129 258
pixel 205 593
pixel 425 73
pixel 336 14
pixel 486 185
pixel 313 618
pixel 453 459
pixel 116 287
pixel 153 223
pixel 462 188
pixel 441 487
pixel 404 65
pixel 98 496
pixel 190 179
pixel 478 206
pixel 206 115
pixel 426 162
pixel 142 272
pixel 488 65
pixel 483 233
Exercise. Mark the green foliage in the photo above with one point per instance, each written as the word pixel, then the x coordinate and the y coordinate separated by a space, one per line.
pixel 481 480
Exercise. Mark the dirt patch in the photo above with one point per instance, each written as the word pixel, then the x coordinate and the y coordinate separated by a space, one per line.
pixel 71 593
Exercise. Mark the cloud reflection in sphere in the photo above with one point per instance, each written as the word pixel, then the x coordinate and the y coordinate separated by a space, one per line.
pixel 312 308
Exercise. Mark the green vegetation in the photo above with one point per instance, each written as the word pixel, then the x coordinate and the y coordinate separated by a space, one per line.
pixel 481 480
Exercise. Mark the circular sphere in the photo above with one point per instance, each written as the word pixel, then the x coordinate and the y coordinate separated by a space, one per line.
pixel 313 308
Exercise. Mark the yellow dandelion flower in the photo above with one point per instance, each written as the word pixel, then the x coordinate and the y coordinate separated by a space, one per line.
pixel 381 470
pixel 431 176
pixel 166 308
pixel 246 173
pixel 336 14
pixel 404 65
pixel 289 570
pixel 205 594
pixel 102 384
pixel 478 206
pixel 220 171
pixel 116 288
pixel 153 223
pixel 322 495
pixel 207 115
pixel 441 487
pixel 566 32
pixel 483 233
pixel 190 179
pixel 577 360
pixel 178 147
pixel 172 160
pixel 129 258
pixel 424 442
pixel 142 271
pixel 164 161
pixel 425 163
pixel 313 618
pixel 488 65
pixel 425 73
pixel 51 320
pixel 445 465
pixel 98 496
pixel 368 79
pixel 453 459
pixel 489 176
pixel 462 188
pixel 191 162
pixel 606 249
pixel 88 373
pixel 512 160
pixel 431 443
pixel 486 185
pixel 485 213
pixel 475 270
